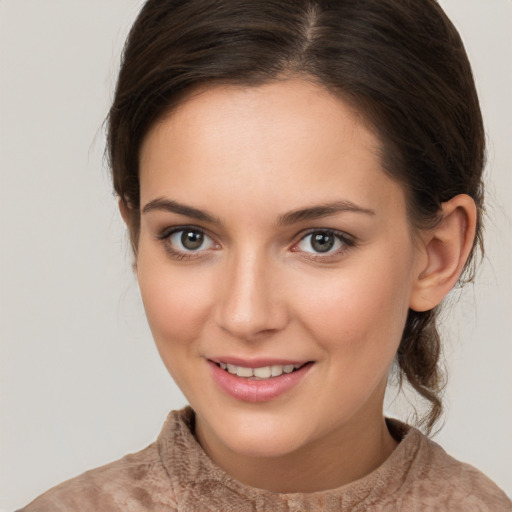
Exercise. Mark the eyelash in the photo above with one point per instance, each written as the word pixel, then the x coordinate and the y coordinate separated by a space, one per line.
pixel 166 235
pixel 347 243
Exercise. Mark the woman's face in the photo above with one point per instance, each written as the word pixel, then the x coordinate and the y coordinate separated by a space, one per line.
pixel 271 240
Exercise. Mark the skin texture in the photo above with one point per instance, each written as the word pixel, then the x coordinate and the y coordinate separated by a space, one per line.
pixel 256 288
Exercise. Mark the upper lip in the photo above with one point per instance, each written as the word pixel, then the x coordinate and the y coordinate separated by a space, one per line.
pixel 257 362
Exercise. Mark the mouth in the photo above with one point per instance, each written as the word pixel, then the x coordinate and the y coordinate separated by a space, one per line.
pixel 260 372
pixel 258 381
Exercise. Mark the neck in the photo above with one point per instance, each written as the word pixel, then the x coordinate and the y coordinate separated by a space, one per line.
pixel 346 455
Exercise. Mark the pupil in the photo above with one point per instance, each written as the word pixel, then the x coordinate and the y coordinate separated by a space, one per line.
pixel 322 242
pixel 192 240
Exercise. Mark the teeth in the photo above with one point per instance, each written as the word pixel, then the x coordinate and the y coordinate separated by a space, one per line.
pixel 244 372
pixel 264 372
pixel 276 370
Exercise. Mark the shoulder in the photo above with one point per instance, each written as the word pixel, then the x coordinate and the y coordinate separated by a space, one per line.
pixel 137 482
pixel 437 479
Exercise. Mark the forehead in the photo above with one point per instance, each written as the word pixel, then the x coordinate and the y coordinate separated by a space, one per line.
pixel 283 142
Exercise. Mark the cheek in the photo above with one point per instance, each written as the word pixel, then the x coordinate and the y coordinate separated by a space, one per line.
pixel 358 310
pixel 356 319
pixel 176 302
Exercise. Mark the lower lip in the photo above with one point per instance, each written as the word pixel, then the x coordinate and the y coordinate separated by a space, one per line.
pixel 248 390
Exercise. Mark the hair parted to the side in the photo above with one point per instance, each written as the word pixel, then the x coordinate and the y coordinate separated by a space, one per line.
pixel 400 63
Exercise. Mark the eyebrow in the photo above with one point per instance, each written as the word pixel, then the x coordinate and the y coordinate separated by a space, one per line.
pixel 303 214
pixel 323 210
pixel 181 209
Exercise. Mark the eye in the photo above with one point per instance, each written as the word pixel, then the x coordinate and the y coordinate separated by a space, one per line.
pixel 324 242
pixel 187 240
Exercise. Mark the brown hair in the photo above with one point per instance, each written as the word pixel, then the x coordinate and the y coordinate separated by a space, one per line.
pixel 401 63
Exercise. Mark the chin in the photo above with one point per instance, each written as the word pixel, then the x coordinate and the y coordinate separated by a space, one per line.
pixel 261 436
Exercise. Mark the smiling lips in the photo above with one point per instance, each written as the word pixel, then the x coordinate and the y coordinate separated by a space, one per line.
pixel 257 383
pixel 263 372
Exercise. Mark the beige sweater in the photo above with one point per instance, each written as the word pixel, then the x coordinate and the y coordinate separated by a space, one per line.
pixel 175 474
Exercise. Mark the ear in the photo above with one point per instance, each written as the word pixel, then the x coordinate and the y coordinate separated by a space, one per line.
pixel 124 210
pixel 126 214
pixel 445 249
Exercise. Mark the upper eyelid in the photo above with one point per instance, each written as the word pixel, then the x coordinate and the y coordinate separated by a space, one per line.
pixel 335 232
pixel 166 232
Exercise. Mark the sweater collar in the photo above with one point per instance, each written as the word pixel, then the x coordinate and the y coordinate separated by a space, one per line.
pixel 199 484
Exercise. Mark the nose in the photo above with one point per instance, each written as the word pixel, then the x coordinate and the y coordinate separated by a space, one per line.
pixel 252 302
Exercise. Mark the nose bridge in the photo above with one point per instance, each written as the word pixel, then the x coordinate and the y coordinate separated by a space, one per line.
pixel 250 302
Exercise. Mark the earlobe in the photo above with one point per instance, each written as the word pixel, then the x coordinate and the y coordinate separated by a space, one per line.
pixel 446 247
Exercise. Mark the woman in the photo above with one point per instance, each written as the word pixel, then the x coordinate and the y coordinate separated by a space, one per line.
pixel 302 186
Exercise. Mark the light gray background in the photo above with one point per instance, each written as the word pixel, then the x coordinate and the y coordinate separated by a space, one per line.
pixel 81 383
